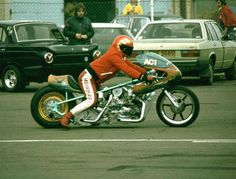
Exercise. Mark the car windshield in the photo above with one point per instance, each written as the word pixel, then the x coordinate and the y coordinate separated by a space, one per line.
pixel 39 32
pixel 122 20
pixel 171 30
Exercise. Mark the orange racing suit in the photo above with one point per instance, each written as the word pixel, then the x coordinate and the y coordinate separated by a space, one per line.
pixel 99 71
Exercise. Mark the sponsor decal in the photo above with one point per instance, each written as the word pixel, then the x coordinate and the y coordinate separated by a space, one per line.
pixel 151 62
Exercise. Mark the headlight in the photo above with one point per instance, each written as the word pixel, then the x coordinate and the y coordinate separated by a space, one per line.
pixel 48 57
pixel 86 59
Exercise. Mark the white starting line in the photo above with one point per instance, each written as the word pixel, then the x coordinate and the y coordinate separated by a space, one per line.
pixel 221 141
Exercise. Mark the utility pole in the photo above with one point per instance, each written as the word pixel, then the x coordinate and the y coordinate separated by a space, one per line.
pixel 5 9
pixel 152 10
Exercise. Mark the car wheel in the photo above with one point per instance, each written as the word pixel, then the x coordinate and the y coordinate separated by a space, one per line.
pixel 231 72
pixel 209 79
pixel 12 79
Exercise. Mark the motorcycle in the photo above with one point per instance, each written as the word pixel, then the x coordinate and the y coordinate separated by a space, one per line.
pixel 128 102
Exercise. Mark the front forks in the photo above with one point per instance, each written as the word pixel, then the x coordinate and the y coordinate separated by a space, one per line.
pixel 172 98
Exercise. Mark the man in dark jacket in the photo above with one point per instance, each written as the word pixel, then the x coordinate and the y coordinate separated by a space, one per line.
pixel 79 28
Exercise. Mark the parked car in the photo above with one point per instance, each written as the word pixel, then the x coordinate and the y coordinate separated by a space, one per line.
pixel 167 17
pixel 105 34
pixel 133 23
pixel 197 47
pixel 31 50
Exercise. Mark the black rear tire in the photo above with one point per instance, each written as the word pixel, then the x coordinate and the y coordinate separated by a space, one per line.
pixel 230 74
pixel 42 103
pixel 209 79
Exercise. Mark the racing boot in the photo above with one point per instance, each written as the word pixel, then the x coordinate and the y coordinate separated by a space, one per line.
pixel 64 121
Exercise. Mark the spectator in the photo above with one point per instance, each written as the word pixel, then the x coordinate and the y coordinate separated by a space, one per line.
pixel 133 8
pixel 78 28
pixel 227 19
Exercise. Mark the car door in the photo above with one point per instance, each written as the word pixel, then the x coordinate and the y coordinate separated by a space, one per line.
pixel 216 45
pixel 228 47
pixel 3 37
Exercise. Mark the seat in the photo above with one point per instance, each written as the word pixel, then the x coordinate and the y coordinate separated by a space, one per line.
pixel 162 33
pixel 196 33
pixel 166 32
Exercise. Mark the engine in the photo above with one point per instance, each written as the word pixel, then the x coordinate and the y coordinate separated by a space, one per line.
pixel 118 104
pixel 124 104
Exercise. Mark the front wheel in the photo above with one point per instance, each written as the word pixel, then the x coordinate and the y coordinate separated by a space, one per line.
pixel 186 112
pixel 45 108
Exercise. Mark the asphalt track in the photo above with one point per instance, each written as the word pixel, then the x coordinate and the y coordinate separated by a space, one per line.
pixel 206 149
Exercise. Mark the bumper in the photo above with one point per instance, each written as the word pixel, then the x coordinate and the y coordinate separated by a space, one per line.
pixel 190 67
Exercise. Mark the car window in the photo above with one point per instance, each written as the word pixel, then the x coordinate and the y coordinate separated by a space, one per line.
pixel 211 32
pixel 29 32
pixel 106 35
pixel 137 24
pixel 218 30
pixel 125 21
pixel 3 35
pixel 172 30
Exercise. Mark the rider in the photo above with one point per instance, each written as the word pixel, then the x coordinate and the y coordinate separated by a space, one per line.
pixel 104 68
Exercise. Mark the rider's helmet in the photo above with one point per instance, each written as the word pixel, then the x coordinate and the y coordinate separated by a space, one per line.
pixel 123 44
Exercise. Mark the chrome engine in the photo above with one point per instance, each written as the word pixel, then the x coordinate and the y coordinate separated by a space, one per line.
pixel 118 104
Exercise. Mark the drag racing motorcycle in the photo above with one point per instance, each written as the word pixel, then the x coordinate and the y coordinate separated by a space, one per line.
pixel 126 102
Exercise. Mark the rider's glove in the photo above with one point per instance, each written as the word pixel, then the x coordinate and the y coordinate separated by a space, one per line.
pixel 147 78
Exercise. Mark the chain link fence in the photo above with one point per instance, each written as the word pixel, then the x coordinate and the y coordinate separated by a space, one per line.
pixel 105 10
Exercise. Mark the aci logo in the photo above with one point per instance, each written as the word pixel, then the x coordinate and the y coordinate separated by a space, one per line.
pixel 151 62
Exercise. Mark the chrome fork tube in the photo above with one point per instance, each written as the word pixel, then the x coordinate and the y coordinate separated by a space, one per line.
pixel 171 98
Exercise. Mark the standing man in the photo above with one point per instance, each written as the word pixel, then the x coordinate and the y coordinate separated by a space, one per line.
pixel 227 19
pixel 133 8
pixel 78 28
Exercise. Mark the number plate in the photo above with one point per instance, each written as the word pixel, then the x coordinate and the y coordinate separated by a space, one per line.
pixel 167 53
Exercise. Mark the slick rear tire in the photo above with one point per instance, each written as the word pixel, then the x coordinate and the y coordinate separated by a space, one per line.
pixel 44 103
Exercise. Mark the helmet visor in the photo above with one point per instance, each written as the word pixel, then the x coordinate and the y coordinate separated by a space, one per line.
pixel 127 50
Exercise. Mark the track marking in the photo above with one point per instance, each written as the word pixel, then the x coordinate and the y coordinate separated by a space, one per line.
pixel 221 141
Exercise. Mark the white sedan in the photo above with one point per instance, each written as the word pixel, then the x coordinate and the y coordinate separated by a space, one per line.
pixel 196 47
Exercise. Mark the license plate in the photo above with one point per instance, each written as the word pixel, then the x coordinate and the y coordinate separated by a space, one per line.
pixel 167 53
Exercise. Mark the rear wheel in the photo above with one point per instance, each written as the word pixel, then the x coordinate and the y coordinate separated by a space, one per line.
pixel 209 78
pixel 44 105
pixel 231 72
